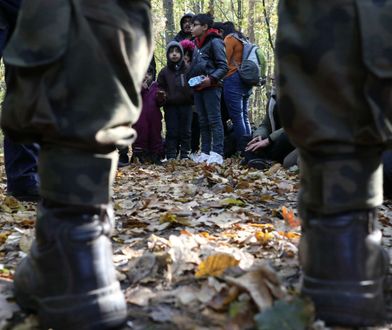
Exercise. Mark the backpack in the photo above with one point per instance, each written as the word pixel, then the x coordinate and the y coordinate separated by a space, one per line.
pixel 252 68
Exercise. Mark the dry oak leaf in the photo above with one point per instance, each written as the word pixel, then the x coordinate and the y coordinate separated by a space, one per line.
pixel 215 265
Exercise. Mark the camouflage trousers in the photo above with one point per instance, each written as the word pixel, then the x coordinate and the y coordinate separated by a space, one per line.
pixel 335 93
pixel 76 70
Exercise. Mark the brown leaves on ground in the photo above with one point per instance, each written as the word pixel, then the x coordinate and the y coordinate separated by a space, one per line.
pixel 195 246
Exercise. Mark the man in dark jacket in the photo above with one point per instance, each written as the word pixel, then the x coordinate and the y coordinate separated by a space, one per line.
pixel 209 63
pixel 185 24
pixel 20 160
pixel 74 87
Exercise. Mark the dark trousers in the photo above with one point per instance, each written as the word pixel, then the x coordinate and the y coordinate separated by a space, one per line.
pixel 178 120
pixel 195 138
pixel 20 162
pixel 208 106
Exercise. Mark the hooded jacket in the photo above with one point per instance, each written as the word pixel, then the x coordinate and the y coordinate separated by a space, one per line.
pixel 209 57
pixel 182 35
pixel 172 79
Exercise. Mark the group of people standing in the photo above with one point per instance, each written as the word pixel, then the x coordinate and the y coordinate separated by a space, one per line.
pixel 211 52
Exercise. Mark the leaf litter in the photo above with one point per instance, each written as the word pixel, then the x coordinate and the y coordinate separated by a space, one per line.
pixel 195 247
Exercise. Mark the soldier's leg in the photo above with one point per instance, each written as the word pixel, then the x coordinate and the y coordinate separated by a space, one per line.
pixel 338 121
pixel 69 277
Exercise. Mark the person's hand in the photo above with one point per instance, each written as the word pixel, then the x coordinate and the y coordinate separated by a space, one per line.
pixel 161 97
pixel 257 145
pixel 256 139
pixel 204 84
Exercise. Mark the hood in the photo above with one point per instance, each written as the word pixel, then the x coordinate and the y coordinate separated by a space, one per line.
pixel 190 15
pixel 180 63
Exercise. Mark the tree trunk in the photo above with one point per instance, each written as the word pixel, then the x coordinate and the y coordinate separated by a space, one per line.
pixel 169 13
pixel 198 6
pixel 211 7
pixel 251 20
pixel 267 23
pixel 240 14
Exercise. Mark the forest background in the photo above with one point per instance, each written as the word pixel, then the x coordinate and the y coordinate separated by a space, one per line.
pixel 257 19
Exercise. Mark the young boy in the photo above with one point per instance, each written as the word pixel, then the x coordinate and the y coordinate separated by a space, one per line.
pixel 178 102
pixel 209 61
pixel 148 146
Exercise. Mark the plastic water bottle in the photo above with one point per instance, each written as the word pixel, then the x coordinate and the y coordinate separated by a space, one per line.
pixel 195 81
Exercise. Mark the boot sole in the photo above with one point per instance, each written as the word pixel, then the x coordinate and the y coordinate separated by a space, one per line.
pixel 98 310
pixel 349 304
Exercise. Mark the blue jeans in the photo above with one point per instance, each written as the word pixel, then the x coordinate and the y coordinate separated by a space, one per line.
pixel 20 162
pixel 207 104
pixel 236 95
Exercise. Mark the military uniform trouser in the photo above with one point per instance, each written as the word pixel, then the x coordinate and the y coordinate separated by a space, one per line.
pixel 335 89
pixel 76 70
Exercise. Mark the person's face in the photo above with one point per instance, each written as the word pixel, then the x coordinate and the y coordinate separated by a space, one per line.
pixel 197 29
pixel 187 58
pixel 174 54
pixel 147 79
pixel 186 25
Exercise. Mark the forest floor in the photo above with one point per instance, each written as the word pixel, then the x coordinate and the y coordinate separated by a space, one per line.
pixel 195 247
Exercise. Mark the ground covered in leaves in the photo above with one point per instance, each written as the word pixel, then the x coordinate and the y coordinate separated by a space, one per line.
pixel 195 246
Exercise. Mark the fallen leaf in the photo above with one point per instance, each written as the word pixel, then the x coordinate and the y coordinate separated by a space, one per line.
pixel 263 285
pixel 215 265
pixel 138 296
pixel 173 219
pixel 286 315
pixel 232 202
pixel 264 237
pixel 162 314
pixel 289 217
pixel 224 298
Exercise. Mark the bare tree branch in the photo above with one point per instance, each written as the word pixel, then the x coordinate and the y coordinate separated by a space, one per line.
pixel 267 22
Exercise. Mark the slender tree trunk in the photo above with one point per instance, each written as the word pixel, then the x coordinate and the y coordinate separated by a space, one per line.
pixel 251 20
pixel 240 14
pixel 198 6
pixel 267 22
pixel 169 13
pixel 211 7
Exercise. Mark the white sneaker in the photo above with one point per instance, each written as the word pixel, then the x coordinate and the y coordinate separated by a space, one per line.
pixel 214 159
pixel 200 158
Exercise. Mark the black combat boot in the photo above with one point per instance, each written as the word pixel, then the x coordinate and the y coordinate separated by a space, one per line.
pixel 69 278
pixel 344 268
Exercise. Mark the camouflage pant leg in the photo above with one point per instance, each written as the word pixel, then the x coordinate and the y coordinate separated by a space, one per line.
pixel 335 81
pixel 77 93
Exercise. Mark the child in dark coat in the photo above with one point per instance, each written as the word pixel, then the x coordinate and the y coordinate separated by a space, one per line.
pixel 149 144
pixel 178 102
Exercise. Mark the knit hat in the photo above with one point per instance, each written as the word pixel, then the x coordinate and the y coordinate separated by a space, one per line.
pixel 187 46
